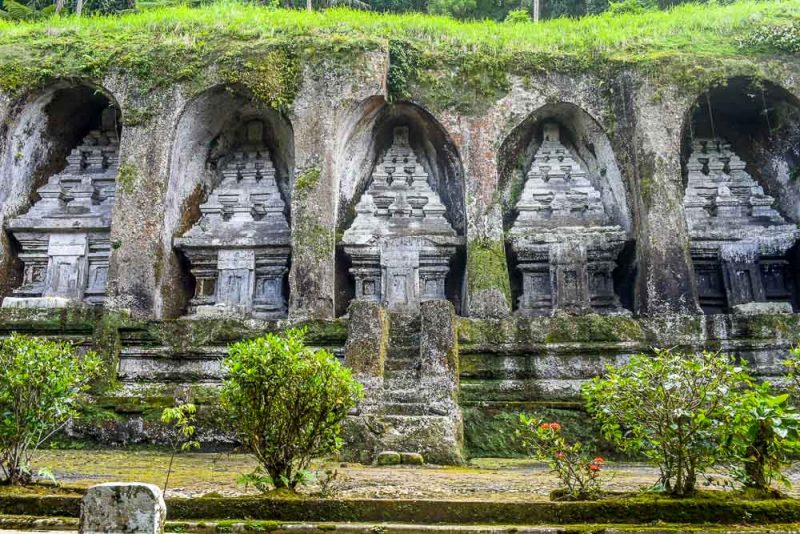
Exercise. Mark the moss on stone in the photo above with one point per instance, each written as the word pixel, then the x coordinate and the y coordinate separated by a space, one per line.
pixel 487 268
pixel 127 177
pixel 272 76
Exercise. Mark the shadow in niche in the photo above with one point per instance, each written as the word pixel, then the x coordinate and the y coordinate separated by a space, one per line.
pixel 590 147
pixel 71 114
pixel 213 127
pixel 370 139
pixel 761 121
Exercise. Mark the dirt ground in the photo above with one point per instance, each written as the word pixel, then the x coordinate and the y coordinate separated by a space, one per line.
pixel 196 474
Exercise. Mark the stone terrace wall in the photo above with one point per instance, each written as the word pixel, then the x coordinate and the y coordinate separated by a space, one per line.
pixel 634 129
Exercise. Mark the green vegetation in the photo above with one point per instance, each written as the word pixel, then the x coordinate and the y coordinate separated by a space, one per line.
pixel 450 63
pixel 689 412
pixel 286 402
pixel 40 385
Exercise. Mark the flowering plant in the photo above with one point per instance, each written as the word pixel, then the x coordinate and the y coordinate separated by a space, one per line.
pixel 578 471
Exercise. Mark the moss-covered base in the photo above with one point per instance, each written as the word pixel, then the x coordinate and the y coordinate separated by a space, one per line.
pixel 721 509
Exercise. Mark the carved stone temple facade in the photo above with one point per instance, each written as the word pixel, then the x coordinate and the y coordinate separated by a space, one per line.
pixel 239 249
pixel 566 245
pixel 64 237
pixel 738 241
pixel 400 242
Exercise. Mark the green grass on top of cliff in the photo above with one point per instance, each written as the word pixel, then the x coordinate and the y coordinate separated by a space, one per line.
pixel 164 45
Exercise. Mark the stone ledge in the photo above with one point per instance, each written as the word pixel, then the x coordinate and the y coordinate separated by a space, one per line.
pixel 635 510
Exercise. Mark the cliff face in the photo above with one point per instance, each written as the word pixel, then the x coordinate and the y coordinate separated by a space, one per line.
pixel 476 122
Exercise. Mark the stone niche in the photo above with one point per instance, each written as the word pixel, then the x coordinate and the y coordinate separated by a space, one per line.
pixel 400 242
pixel 63 239
pixel 738 241
pixel 239 249
pixel 566 245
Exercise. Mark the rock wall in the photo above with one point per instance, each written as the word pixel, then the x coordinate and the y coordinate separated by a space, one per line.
pixel 629 133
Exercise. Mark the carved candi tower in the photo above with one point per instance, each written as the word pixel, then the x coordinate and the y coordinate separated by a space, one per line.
pixel 566 246
pixel 400 242
pixel 239 249
pixel 738 241
pixel 64 238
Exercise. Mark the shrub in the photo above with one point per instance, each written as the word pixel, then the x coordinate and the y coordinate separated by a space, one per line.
pixel 517 15
pixel 180 432
pixel 578 471
pixel 792 364
pixel 763 435
pixel 40 384
pixel 287 402
pixel 671 407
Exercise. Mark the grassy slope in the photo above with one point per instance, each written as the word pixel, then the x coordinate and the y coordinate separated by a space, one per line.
pixel 169 44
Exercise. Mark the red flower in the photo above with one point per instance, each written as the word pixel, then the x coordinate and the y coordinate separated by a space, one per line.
pixel 555 426
pixel 594 467
pixel 599 460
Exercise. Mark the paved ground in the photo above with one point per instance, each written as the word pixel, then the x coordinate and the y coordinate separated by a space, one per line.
pixel 203 473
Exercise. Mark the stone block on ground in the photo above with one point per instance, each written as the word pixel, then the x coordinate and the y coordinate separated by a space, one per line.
pixel 411 458
pixel 123 508
pixel 388 458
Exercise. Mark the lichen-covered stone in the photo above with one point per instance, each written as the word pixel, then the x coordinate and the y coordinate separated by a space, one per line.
pixel 411 458
pixel 388 458
pixel 123 508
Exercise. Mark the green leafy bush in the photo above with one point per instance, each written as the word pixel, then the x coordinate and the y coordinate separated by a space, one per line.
pixel 784 37
pixel 671 407
pixel 578 471
pixel 40 384
pixel 516 16
pixel 763 435
pixel 287 402
pixel 180 431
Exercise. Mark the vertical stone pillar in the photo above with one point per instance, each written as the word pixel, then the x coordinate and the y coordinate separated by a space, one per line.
pixel 650 123
pixel 123 507
pixel 439 348
pixel 365 350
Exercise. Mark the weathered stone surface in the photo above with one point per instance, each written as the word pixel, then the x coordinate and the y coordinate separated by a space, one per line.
pixel 64 237
pixel 400 241
pixel 563 237
pixel 388 458
pixel 365 349
pixel 411 458
pixel 118 507
pixel 239 249
pixel 738 241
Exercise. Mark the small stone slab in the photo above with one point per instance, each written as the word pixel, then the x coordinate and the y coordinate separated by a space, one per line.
pixel 123 508
pixel 388 458
pixel 411 458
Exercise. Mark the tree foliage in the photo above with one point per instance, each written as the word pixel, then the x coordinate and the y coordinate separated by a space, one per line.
pixel 671 407
pixel 287 402
pixel 40 384
pixel 763 436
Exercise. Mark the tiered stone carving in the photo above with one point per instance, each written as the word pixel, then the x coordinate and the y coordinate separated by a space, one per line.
pixel 400 242
pixel 738 241
pixel 64 238
pixel 566 245
pixel 239 249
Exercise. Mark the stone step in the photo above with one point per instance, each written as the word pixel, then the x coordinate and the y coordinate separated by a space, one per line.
pixel 401 364
pixel 401 395
pixel 404 351
pixel 406 408
pixel 397 376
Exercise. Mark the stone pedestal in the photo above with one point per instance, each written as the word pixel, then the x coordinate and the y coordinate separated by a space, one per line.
pixel 567 249
pixel 239 249
pixel 738 241
pixel 118 507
